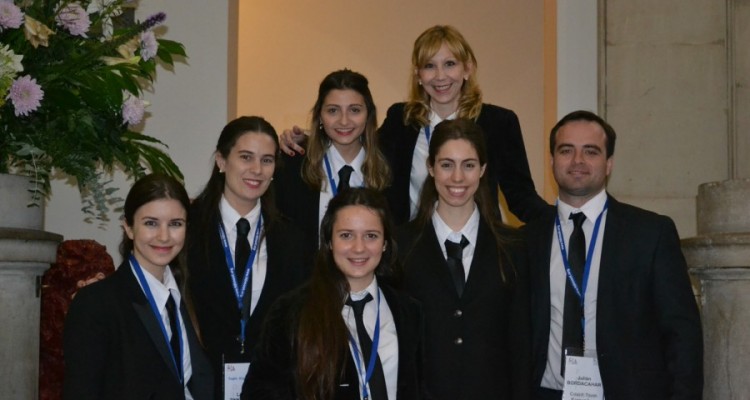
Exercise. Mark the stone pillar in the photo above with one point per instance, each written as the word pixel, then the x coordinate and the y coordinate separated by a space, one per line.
pixel 25 253
pixel 720 258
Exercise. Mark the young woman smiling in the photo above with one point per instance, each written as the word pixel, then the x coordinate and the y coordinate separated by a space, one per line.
pixel 129 336
pixel 466 269
pixel 342 145
pixel 237 255
pixel 348 334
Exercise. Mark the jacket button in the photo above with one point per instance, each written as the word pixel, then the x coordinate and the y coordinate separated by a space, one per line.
pixel 458 313
pixel 458 341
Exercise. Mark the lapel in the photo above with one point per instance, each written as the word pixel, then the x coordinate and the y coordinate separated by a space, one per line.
pixel 609 267
pixel 145 315
pixel 484 259
pixel 433 254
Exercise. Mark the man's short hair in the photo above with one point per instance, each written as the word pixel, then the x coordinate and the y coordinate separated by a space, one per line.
pixel 582 115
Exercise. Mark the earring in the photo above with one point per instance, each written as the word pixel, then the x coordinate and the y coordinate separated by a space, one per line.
pixel 419 83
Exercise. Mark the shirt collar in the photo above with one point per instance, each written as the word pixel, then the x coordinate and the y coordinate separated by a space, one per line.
pixel 337 161
pixel 159 290
pixel 469 230
pixel 591 208
pixel 230 216
pixel 435 119
pixel 372 289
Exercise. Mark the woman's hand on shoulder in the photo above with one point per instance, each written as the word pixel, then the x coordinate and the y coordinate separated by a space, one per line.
pixel 290 140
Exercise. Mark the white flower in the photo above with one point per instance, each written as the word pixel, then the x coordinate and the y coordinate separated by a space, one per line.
pixel 133 109
pixel 10 62
pixel 107 9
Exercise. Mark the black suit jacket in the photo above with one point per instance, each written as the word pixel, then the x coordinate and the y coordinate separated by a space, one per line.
pixel 271 375
pixel 508 165
pixel 213 298
pixel 648 330
pixel 115 349
pixel 296 200
pixel 476 346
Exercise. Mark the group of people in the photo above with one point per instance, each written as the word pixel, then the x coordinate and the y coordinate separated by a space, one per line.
pixel 357 262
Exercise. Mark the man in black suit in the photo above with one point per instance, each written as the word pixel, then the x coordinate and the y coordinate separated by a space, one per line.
pixel 638 322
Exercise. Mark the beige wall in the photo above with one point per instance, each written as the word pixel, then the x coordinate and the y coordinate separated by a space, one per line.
pixel 286 47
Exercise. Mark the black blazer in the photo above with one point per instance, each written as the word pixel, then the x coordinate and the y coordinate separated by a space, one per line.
pixel 477 345
pixel 212 295
pixel 508 165
pixel 295 199
pixel 271 375
pixel 115 349
pixel 648 330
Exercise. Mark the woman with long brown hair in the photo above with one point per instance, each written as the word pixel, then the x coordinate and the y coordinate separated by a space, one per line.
pixel 348 334
pixel 466 268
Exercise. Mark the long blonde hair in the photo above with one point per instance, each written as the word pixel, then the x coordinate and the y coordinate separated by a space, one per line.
pixel 375 168
pixel 417 110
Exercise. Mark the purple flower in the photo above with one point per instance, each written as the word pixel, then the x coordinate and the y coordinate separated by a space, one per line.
pixel 154 20
pixel 133 109
pixel 10 15
pixel 74 18
pixel 26 95
pixel 149 45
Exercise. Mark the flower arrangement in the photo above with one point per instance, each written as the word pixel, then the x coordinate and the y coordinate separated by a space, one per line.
pixel 72 74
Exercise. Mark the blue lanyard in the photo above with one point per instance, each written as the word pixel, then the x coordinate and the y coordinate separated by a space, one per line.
pixel 373 354
pixel 240 291
pixel 427 133
pixel 580 291
pixel 147 290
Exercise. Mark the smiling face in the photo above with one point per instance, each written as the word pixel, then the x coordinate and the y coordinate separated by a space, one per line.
pixel 158 234
pixel 248 170
pixel 442 77
pixel 579 161
pixel 344 117
pixel 457 173
pixel 357 244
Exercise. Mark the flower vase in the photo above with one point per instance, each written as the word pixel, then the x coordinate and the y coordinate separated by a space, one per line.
pixel 25 253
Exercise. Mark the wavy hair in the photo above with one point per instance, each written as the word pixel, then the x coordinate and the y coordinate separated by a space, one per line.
pixel 375 168
pixel 417 109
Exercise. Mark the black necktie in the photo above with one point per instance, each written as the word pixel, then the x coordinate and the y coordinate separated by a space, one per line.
pixel 344 173
pixel 174 341
pixel 241 248
pixel 455 253
pixel 573 311
pixel 378 390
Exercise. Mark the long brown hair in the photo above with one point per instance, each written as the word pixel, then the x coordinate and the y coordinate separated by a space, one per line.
pixel 464 129
pixel 208 200
pixel 417 109
pixel 322 335
pixel 375 168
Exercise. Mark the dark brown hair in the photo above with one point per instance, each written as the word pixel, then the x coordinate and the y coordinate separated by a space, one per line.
pixel 322 335
pixel 468 130
pixel 150 188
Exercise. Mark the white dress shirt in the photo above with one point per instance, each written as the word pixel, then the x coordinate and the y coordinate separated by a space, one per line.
pixel 469 230
pixel 337 162
pixel 388 345
pixel 419 162
pixel 229 216
pixel 161 292
pixel 551 378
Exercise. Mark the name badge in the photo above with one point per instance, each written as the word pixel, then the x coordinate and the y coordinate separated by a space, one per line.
pixel 582 379
pixel 234 377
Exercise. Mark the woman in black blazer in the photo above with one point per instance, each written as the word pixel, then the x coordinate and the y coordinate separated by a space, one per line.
pixel 466 269
pixel 314 347
pixel 232 283
pixel 443 86
pixel 130 336
pixel 344 124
